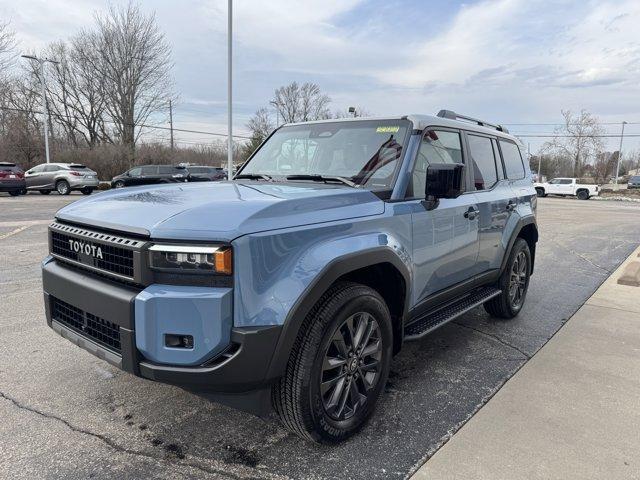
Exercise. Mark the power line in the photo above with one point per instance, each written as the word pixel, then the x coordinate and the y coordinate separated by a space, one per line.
pixel 140 125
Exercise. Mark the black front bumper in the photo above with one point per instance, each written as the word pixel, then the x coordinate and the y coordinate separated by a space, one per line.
pixel 240 369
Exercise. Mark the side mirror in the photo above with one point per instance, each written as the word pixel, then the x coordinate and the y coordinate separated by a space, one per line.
pixel 444 180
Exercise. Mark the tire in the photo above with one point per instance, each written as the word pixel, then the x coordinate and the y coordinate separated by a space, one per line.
pixel 24 191
pixel 298 397
pixel 14 193
pixel 508 305
pixel 45 192
pixel 540 192
pixel 62 187
pixel 582 195
pixel 87 191
pixel 118 184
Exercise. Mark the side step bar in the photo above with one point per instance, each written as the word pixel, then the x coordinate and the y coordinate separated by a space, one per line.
pixel 432 320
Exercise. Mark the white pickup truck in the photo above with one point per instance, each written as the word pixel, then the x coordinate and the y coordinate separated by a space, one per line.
pixel 566 186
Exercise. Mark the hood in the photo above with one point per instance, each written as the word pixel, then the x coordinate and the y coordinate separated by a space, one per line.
pixel 219 211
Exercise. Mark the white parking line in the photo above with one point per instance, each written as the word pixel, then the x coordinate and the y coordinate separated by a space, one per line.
pixel 13 232
pixel 28 223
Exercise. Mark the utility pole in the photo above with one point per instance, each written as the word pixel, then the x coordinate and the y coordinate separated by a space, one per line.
pixel 171 121
pixel 229 92
pixel 45 105
pixel 619 157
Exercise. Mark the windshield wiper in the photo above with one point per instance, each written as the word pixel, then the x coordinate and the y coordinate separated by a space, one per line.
pixel 254 176
pixel 323 178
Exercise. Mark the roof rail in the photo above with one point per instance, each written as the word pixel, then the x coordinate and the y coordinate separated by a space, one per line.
pixel 451 115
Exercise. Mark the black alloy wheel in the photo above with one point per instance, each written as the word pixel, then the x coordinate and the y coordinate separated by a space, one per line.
pixel 351 367
pixel 518 280
pixel 513 283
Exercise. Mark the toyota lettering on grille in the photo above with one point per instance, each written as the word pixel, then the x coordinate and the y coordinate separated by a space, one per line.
pixel 86 248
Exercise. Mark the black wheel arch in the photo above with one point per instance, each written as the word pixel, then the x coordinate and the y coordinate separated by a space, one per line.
pixel 356 267
pixel 528 230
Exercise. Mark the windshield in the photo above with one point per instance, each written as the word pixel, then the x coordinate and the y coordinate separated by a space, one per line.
pixel 367 152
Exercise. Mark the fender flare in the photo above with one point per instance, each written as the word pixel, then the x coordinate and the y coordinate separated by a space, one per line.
pixel 522 222
pixel 335 269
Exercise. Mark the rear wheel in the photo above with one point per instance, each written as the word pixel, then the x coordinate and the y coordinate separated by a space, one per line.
pixel 338 366
pixel 87 191
pixel 582 195
pixel 513 283
pixel 118 184
pixel 14 193
pixel 45 192
pixel 62 186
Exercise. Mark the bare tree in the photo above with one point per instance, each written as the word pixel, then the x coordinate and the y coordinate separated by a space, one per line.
pixel 579 139
pixel 261 126
pixel 7 45
pixel 301 103
pixel 133 58
pixel 75 92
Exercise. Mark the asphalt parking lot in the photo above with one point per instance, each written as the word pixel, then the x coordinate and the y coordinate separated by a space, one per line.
pixel 67 414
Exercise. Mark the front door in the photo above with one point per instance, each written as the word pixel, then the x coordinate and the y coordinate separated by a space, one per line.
pixel 445 239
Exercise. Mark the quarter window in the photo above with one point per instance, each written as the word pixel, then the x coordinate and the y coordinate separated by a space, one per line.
pixel 512 160
pixel 483 160
pixel 437 146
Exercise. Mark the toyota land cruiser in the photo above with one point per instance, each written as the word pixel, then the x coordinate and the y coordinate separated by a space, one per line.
pixel 291 286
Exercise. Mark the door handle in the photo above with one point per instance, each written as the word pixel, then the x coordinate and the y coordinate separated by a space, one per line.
pixel 471 213
pixel 511 206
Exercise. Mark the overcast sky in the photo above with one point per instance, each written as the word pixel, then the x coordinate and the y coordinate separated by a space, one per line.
pixel 508 61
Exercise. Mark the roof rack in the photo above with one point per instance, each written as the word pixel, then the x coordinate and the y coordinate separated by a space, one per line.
pixel 454 116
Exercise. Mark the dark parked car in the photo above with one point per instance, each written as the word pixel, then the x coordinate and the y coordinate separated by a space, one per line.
pixel 150 174
pixel 206 174
pixel 634 182
pixel 11 179
pixel 61 177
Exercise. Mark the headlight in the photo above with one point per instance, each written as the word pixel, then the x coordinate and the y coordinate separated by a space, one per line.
pixel 191 258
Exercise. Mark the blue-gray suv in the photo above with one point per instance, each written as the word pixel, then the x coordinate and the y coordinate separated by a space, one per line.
pixel 293 285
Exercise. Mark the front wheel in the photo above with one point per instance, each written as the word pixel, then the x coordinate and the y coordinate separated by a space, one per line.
pixel 338 365
pixel 540 192
pixel 63 187
pixel 513 283
pixel 45 192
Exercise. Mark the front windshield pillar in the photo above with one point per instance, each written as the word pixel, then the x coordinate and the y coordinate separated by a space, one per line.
pixel 406 167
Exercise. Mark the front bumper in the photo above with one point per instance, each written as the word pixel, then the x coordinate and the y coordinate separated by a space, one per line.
pixel 241 366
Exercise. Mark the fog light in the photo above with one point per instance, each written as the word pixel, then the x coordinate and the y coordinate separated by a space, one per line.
pixel 178 341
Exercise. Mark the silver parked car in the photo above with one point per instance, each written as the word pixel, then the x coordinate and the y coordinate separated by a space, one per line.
pixel 62 177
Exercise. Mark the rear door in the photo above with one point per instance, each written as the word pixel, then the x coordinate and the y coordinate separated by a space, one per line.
pixel 495 198
pixel 149 175
pixel 445 239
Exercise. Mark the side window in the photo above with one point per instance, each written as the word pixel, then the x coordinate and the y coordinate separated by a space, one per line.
pixel 51 168
pixel 166 169
pixel 483 160
pixel 566 181
pixel 512 160
pixel 149 170
pixel 135 172
pixel 437 146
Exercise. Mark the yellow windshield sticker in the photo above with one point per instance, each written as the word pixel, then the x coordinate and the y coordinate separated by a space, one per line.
pixel 387 129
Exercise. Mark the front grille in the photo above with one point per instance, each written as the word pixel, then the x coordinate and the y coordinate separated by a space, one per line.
pixel 96 250
pixel 97 329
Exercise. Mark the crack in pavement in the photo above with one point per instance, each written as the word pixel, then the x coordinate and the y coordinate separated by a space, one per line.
pixel 495 337
pixel 581 256
pixel 106 440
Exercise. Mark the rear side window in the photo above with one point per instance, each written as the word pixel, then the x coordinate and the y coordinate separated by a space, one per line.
pixel 437 146
pixel 149 170
pixel 52 168
pixel 166 170
pixel 513 165
pixel 485 174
